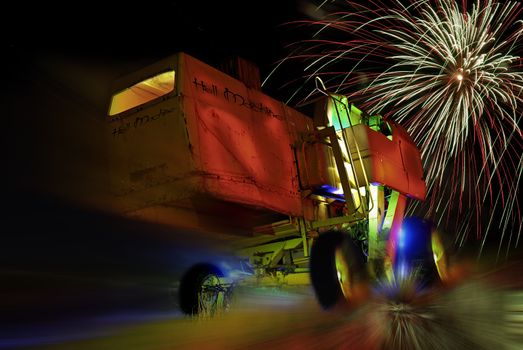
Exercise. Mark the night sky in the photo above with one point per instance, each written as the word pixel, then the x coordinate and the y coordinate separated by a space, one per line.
pixel 118 38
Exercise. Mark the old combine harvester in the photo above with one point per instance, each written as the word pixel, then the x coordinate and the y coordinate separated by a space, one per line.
pixel 304 199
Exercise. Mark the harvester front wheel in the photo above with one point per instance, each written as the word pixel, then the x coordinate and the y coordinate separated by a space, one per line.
pixel 420 252
pixel 337 269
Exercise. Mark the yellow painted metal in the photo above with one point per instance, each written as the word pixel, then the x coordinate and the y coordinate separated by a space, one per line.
pixel 294 279
pixel 280 228
pixel 380 223
pixel 340 115
pixel 271 247
pixel 279 279
pixel 391 210
pixel 340 165
pixel 375 248
pixel 397 214
pixel 343 117
pixel 305 242
pixel 269 254
pixel 350 220
pixel 349 138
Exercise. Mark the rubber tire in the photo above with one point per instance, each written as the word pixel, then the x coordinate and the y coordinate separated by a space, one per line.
pixel 322 266
pixel 191 283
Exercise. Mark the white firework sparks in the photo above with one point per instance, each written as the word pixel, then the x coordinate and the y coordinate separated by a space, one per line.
pixel 452 76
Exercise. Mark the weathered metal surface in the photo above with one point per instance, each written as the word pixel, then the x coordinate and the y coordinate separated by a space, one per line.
pixel 213 136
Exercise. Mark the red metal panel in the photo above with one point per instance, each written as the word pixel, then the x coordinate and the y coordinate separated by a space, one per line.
pixel 241 141
pixel 412 162
pixel 314 163
pixel 395 163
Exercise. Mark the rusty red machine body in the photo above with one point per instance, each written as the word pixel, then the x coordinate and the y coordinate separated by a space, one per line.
pixel 215 136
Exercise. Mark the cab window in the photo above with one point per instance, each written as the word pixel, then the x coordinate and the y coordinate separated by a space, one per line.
pixel 142 92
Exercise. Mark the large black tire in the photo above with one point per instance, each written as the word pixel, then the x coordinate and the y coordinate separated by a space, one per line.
pixel 323 270
pixel 191 284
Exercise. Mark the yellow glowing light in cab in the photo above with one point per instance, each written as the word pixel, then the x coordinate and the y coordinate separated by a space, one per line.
pixel 142 92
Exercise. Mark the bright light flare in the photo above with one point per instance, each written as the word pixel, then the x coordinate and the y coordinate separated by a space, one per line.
pixel 459 74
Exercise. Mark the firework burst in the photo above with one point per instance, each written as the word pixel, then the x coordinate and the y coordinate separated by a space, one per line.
pixel 451 75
